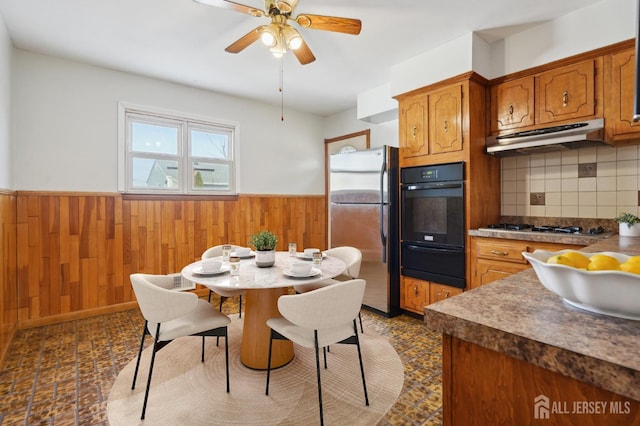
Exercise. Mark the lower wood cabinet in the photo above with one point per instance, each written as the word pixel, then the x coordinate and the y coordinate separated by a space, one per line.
pixel 496 258
pixel 415 294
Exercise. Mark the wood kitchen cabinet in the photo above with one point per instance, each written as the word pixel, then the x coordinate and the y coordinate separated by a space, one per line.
pixel 569 92
pixel 511 105
pixel 558 95
pixel 445 120
pixel 413 126
pixel 496 258
pixel 619 93
pixel 415 294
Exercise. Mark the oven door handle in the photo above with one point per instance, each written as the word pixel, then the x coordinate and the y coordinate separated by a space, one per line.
pixel 434 249
pixel 416 187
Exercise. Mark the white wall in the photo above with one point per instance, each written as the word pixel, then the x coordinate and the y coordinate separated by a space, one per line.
pixel 5 108
pixel 589 28
pixel 346 123
pixel 65 129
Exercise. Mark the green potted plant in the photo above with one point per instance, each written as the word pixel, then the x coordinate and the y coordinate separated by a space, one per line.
pixel 265 243
pixel 629 224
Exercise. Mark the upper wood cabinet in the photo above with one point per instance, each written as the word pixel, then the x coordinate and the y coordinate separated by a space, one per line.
pixel 445 120
pixel 560 95
pixel 512 105
pixel 619 96
pixel 431 122
pixel 567 93
pixel 413 126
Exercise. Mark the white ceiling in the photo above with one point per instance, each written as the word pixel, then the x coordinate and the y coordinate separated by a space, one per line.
pixel 183 41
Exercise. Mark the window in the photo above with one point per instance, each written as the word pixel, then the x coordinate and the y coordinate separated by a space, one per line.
pixel 164 153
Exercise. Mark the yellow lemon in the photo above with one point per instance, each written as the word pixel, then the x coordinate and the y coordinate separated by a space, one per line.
pixel 633 267
pixel 633 259
pixel 560 259
pixel 603 262
pixel 578 259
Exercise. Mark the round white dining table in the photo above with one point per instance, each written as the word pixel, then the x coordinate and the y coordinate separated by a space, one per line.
pixel 264 286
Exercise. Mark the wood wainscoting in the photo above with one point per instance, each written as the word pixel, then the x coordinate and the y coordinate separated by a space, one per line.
pixel 8 276
pixel 75 251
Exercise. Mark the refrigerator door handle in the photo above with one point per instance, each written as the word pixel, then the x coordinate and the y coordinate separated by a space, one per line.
pixel 383 237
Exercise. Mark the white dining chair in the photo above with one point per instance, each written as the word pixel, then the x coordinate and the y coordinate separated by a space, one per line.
pixel 170 314
pixel 352 257
pixel 224 294
pixel 317 319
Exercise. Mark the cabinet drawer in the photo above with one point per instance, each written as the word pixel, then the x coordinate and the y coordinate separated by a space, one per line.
pixel 509 252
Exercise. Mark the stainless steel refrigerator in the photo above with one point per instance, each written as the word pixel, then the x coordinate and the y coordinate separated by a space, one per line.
pixel 364 213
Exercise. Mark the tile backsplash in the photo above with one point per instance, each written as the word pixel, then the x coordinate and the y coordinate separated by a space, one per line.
pixel 584 183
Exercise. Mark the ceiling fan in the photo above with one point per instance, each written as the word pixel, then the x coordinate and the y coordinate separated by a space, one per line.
pixel 279 35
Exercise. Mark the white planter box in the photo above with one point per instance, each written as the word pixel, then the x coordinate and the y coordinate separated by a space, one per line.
pixel 626 231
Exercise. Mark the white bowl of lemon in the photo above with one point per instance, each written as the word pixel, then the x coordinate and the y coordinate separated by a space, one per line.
pixel 604 282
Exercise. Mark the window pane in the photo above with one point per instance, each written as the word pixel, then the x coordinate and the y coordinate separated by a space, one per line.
pixel 154 138
pixel 211 177
pixel 150 173
pixel 209 144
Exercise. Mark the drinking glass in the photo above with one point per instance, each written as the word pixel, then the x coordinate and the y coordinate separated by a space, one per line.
pixel 293 249
pixel 226 251
pixel 317 259
pixel 234 266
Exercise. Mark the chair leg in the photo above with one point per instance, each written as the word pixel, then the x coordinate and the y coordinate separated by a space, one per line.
pixel 210 292
pixel 222 299
pixel 364 384
pixel 360 319
pixel 153 358
pixel 269 361
pixel 240 311
pixel 315 338
pixel 144 333
pixel 226 354
pixel 202 356
pixel 324 353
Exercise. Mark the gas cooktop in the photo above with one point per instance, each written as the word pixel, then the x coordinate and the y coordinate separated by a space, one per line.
pixel 547 228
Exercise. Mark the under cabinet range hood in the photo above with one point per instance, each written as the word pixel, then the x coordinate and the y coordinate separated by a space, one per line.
pixel 557 138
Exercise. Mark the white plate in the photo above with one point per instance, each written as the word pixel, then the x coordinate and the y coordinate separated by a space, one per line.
pixel 314 271
pixel 305 257
pixel 199 271
pixel 246 256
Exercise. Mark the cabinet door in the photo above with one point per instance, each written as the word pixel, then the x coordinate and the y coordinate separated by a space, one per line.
pixel 414 294
pixel 486 271
pixel 567 93
pixel 445 120
pixel 413 135
pixel 438 292
pixel 620 84
pixel 512 105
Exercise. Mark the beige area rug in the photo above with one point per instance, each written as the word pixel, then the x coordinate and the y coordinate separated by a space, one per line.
pixel 185 391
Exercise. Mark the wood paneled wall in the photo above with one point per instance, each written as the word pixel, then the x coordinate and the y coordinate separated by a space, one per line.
pixel 8 284
pixel 75 251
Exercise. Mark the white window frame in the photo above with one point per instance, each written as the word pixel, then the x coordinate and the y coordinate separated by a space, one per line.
pixel 184 123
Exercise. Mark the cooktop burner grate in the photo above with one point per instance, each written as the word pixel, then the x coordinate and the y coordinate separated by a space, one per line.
pixel 547 228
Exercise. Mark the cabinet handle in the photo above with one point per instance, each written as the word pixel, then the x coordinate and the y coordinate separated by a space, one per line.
pixel 415 131
pixel 446 294
pixel 511 110
pixel 415 289
pixel 499 253
pixel 565 98
pixel 446 126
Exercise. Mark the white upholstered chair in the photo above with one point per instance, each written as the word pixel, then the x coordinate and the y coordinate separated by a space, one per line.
pixel 216 251
pixel 170 314
pixel 352 256
pixel 318 319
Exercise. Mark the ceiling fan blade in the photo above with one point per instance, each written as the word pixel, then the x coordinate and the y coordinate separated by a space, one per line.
pixel 304 54
pixel 330 23
pixel 244 41
pixel 225 4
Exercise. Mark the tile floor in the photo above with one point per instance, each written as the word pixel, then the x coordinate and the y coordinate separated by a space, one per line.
pixel 62 374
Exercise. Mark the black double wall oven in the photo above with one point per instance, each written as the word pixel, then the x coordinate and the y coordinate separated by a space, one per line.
pixel 433 238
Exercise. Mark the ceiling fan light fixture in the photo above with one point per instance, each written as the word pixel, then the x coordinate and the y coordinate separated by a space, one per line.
pixel 292 38
pixel 269 35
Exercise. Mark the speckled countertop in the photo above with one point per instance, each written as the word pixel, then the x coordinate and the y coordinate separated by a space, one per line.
pixel 574 239
pixel 517 316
